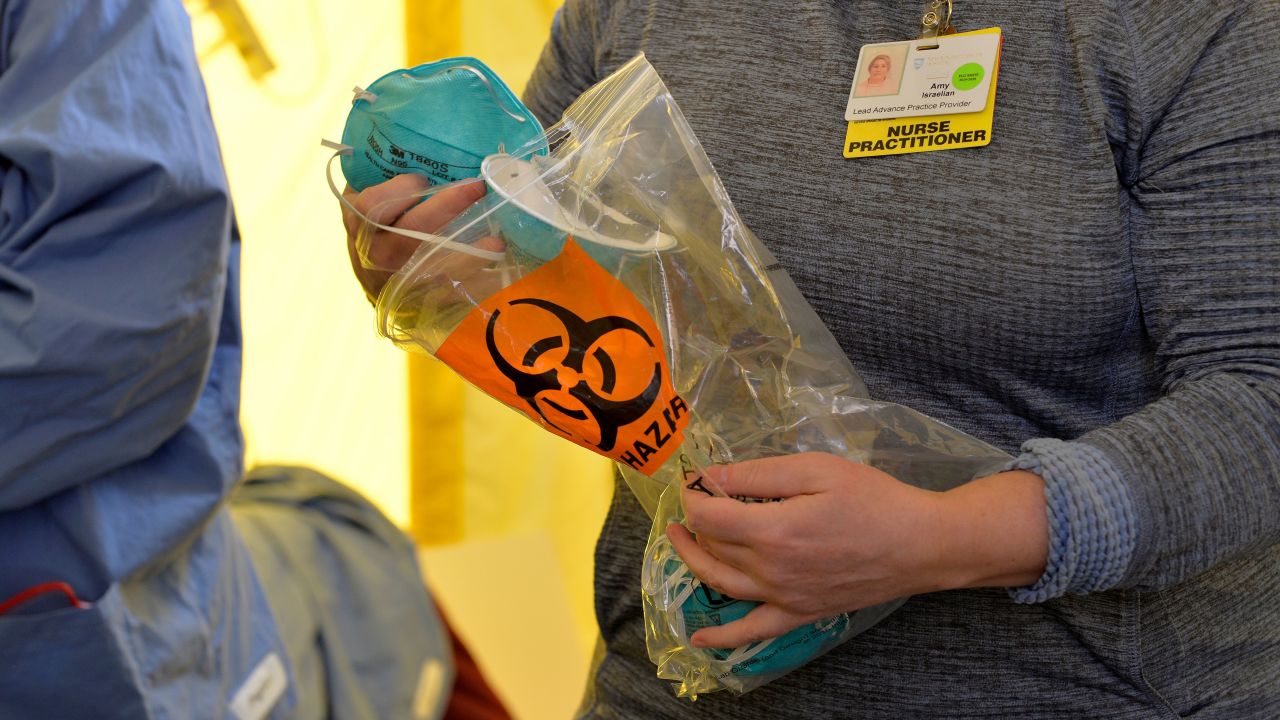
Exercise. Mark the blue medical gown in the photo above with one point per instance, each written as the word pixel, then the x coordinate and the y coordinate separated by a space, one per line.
pixel 119 377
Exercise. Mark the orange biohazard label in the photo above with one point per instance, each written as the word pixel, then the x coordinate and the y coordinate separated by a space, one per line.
pixel 572 348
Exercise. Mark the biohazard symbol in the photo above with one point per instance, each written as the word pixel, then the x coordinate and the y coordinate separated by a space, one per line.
pixel 572 348
pixel 552 376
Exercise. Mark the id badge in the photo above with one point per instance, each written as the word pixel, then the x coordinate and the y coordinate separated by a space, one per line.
pixel 920 96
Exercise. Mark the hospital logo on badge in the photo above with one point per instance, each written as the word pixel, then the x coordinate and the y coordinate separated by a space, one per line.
pixel 570 347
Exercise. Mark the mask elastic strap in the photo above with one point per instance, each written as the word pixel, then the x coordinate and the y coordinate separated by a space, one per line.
pixel 746 652
pixel 501 101
pixel 362 94
pixel 437 240
pixel 682 583
pixel 676 587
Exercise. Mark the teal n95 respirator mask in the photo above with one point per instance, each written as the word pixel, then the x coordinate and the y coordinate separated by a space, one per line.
pixel 439 120
pixel 454 120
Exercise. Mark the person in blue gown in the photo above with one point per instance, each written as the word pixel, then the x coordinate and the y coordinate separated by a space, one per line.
pixel 139 578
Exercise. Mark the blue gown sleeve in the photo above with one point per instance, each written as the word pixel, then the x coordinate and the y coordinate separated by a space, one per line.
pixel 115 226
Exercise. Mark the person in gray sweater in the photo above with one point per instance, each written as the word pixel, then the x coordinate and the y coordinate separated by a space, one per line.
pixel 1096 292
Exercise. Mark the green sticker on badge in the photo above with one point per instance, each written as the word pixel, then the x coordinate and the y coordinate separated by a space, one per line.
pixel 967 76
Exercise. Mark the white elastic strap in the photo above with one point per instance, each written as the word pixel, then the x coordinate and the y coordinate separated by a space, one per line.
pixel 684 580
pixel 739 654
pixel 438 241
pixel 746 652
pixel 665 590
pixel 362 94
pixel 502 103
pixel 685 590
pixel 337 146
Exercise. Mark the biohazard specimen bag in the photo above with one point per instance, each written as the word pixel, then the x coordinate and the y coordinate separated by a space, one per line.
pixel 626 308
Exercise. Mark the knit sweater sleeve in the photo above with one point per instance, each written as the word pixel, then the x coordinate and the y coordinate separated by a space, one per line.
pixel 1192 479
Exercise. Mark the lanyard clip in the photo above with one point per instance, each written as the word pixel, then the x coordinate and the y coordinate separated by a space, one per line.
pixel 935 21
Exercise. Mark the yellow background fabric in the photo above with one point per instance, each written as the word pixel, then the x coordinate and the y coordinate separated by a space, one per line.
pixel 507 515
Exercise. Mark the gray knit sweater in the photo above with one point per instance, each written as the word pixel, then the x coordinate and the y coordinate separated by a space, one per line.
pixel 1098 289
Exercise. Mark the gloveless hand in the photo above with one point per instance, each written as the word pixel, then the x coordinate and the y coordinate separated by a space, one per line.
pixel 398 203
pixel 847 536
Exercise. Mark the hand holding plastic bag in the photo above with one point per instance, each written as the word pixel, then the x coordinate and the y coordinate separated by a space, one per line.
pixel 634 314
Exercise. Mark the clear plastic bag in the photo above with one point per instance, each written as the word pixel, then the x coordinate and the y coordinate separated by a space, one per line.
pixel 632 312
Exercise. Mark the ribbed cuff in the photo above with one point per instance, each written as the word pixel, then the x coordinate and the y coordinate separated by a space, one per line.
pixel 1092 521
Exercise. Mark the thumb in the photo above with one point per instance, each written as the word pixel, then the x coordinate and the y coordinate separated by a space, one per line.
pixel 764 622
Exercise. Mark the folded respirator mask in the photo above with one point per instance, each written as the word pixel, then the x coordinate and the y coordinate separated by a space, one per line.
pixel 454 120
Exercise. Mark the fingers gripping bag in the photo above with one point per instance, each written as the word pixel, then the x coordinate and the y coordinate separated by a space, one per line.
pixel 630 311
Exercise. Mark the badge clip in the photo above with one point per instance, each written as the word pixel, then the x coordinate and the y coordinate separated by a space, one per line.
pixel 935 21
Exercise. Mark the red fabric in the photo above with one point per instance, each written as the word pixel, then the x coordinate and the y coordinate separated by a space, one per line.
pixel 42 589
pixel 472 698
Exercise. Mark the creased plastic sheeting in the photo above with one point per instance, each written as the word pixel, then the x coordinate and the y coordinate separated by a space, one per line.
pixel 627 185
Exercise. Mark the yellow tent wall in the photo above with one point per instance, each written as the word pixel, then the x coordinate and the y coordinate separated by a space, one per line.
pixel 507 515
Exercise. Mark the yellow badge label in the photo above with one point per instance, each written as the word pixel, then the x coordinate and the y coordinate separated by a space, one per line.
pixel 925 133
pixel 570 347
